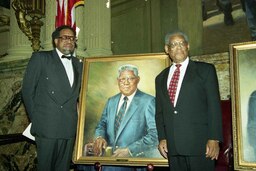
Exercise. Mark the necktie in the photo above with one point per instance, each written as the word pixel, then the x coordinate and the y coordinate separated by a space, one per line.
pixel 174 82
pixel 67 57
pixel 120 114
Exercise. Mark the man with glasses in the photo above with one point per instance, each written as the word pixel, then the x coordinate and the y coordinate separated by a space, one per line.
pixel 134 133
pixel 188 111
pixel 50 93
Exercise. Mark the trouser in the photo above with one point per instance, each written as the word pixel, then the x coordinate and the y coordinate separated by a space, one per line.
pixel 224 2
pixel 191 163
pixel 224 5
pixel 250 11
pixel 221 2
pixel 54 154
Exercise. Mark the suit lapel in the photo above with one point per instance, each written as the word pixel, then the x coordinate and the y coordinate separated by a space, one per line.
pixel 60 74
pixel 164 84
pixel 76 75
pixel 113 111
pixel 185 86
pixel 130 111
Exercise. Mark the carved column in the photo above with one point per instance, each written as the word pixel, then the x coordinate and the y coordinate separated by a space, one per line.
pixel 97 28
pixel 81 48
pixel 186 16
pixel 4 30
pixel 190 21
pixel 49 25
pixel 20 46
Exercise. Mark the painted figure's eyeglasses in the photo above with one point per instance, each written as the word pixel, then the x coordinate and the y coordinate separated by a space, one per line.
pixel 124 79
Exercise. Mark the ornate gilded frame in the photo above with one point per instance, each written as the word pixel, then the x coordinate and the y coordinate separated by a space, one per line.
pixel 243 83
pixel 99 82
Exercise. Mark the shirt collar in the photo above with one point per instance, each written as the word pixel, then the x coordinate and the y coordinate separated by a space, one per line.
pixel 129 97
pixel 184 64
pixel 60 54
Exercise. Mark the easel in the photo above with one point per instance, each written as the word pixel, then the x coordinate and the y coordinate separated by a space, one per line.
pixel 97 167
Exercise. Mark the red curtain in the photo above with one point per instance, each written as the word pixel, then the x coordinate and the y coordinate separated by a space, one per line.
pixel 65 13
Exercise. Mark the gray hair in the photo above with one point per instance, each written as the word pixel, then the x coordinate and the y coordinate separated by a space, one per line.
pixel 128 67
pixel 169 35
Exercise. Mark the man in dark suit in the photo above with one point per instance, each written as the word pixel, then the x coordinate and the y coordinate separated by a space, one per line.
pixel 50 93
pixel 190 126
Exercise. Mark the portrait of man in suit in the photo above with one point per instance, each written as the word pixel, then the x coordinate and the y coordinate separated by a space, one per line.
pixel 127 124
pixel 245 99
pixel 100 93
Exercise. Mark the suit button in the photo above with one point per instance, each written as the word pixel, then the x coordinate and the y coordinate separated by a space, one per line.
pixel 175 112
pixel 61 106
pixel 52 92
pixel 47 78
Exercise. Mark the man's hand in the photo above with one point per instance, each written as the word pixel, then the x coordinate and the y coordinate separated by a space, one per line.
pixel 162 147
pixel 212 149
pixel 121 152
pixel 99 145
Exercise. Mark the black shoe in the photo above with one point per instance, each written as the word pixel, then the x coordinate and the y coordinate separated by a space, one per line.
pixel 254 38
pixel 228 19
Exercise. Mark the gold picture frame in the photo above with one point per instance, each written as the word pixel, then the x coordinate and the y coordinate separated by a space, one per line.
pixel 243 86
pixel 99 82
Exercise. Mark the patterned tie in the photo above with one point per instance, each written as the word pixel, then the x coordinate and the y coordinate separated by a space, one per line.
pixel 120 115
pixel 174 82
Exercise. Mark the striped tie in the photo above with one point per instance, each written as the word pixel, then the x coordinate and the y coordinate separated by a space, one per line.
pixel 120 115
pixel 174 83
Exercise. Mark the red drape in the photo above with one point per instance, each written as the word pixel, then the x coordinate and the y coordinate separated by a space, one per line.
pixel 65 13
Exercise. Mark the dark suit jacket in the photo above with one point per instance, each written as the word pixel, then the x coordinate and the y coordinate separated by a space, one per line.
pixel 197 115
pixel 50 101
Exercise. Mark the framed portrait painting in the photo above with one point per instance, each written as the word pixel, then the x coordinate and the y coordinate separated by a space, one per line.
pixel 99 83
pixel 243 97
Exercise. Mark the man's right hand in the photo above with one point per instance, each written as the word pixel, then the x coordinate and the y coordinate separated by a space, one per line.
pixel 162 147
pixel 99 145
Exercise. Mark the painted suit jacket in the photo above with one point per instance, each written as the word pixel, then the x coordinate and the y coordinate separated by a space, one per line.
pixel 137 130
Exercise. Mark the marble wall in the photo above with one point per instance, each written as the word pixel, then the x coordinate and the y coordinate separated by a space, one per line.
pixel 221 62
pixel 13 118
pixel 19 156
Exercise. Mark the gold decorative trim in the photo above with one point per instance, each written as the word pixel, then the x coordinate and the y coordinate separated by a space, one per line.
pixel 28 14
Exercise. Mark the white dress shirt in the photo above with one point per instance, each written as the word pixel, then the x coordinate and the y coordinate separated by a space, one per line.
pixel 183 68
pixel 128 101
pixel 68 67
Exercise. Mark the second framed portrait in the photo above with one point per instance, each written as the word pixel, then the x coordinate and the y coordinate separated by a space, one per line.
pixel 101 135
pixel 243 94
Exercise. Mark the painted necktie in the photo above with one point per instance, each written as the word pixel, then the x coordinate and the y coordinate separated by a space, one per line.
pixel 120 114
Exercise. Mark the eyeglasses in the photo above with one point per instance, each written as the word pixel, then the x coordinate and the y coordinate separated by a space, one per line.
pixel 181 44
pixel 66 38
pixel 129 79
